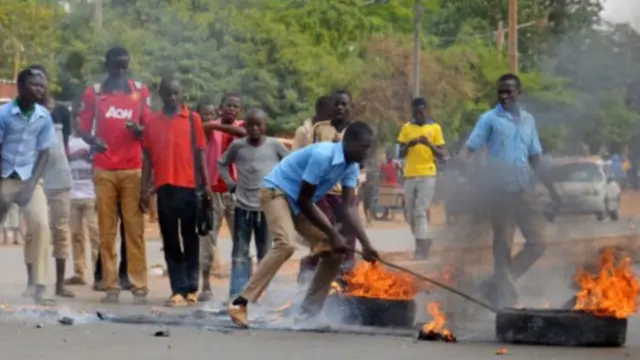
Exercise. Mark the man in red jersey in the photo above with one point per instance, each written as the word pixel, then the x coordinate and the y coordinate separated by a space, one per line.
pixel 221 133
pixel 111 122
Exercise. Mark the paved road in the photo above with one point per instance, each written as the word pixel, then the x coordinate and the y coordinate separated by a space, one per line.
pixel 100 340
pixel 110 341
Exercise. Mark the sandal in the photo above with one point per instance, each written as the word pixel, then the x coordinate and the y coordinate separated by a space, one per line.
pixel 65 293
pixel 75 281
pixel 192 298
pixel 176 300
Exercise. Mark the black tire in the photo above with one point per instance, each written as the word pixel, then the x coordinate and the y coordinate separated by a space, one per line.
pixel 559 327
pixel 361 311
pixel 614 215
pixel 600 216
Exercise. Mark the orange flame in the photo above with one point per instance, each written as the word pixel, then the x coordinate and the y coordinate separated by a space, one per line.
pixel 612 291
pixel 437 325
pixel 373 280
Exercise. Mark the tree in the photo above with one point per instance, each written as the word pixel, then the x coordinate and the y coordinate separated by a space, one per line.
pixel 31 35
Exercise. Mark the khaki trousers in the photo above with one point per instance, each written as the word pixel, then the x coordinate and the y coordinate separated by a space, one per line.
pixel 58 203
pixel 83 213
pixel 113 187
pixel 37 250
pixel 283 226
pixel 223 209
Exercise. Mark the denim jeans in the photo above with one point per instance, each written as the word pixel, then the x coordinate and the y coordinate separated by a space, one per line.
pixel 122 267
pixel 247 223
pixel 177 218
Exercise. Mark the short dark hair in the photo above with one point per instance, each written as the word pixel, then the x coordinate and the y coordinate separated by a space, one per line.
pixel 168 79
pixel 204 101
pixel 512 77
pixel 323 103
pixel 230 94
pixel 343 92
pixel 40 68
pixel 255 112
pixel 25 74
pixel 419 101
pixel 114 53
pixel 358 131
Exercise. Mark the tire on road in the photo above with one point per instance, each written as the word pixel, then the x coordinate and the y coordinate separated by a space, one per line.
pixel 560 327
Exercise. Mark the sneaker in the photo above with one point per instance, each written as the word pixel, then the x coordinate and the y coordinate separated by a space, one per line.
pixel 112 297
pixel 75 281
pixel 176 300
pixel 239 315
pixel 99 286
pixel 192 298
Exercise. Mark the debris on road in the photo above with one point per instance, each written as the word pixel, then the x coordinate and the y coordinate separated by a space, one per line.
pixel 161 333
pixel 65 321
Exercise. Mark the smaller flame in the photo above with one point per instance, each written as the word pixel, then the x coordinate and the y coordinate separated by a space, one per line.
pixel 501 351
pixel 435 329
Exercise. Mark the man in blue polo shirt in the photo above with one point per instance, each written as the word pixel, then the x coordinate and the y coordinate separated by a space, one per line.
pixel 26 135
pixel 513 147
pixel 288 197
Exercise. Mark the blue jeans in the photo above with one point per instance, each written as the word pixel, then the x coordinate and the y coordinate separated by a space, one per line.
pixel 177 218
pixel 247 223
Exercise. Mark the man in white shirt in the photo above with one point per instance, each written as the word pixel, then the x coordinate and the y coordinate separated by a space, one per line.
pixel 83 209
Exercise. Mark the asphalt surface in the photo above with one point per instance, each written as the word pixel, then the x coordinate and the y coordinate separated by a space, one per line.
pixel 32 334
pixel 111 341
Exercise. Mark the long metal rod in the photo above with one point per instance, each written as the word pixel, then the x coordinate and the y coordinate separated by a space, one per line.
pixel 436 283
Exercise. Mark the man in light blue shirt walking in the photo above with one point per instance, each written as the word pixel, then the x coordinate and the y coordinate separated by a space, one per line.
pixel 26 135
pixel 288 197
pixel 513 147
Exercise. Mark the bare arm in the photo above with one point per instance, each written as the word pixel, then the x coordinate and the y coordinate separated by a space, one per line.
pixel 352 220
pixel 147 172
pixel 229 129
pixel 206 180
pixel 41 164
pixel 536 164
pixel 224 162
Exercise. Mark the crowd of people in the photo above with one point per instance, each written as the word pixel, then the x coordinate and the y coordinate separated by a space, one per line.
pixel 95 171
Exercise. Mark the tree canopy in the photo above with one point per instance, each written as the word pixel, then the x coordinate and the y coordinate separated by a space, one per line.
pixel 578 71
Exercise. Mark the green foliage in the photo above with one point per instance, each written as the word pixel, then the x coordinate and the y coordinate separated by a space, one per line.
pixel 283 54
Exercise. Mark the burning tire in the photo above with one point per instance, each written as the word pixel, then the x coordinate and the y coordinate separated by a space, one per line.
pixel 559 327
pixel 355 310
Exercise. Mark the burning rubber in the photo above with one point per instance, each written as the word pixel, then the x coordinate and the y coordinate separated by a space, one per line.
pixel 559 327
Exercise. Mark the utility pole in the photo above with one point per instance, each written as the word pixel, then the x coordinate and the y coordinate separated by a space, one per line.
pixel 417 30
pixel 513 36
pixel 97 12
pixel 500 36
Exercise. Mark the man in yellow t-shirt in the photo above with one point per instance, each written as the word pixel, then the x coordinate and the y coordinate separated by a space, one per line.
pixel 421 143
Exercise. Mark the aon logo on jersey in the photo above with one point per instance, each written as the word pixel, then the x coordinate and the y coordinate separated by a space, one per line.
pixel 120 114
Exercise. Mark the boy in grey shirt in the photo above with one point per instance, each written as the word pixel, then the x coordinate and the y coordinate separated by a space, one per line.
pixel 254 156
